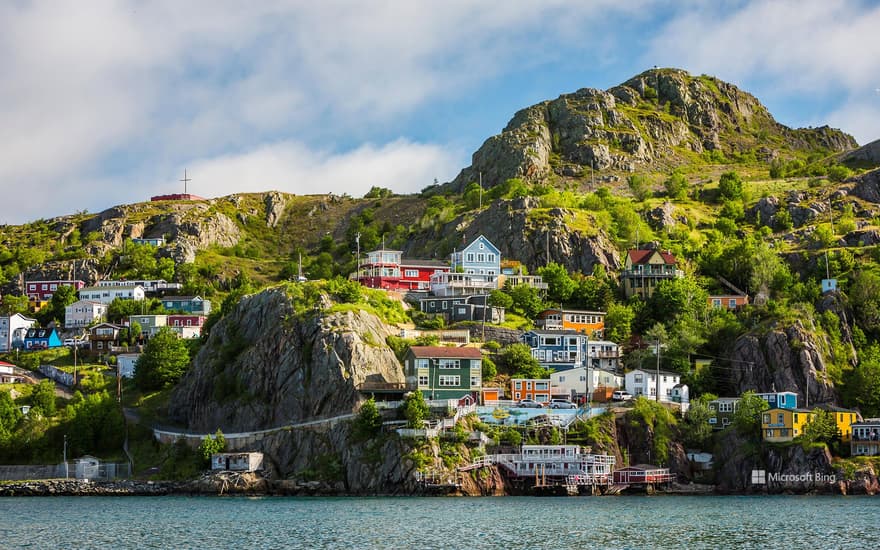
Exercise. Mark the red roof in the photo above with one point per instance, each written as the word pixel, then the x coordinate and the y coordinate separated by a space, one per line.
pixel 642 256
pixel 446 352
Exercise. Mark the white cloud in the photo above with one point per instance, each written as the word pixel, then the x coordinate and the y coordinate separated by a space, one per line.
pixel 97 92
pixel 860 117
pixel 292 167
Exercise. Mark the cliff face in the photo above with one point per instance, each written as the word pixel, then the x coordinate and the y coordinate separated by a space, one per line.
pixel 524 231
pixel 262 366
pixel 785 359
pixel 655 119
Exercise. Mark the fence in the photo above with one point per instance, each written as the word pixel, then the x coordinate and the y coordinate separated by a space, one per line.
pixel 63 378
pixel 104 471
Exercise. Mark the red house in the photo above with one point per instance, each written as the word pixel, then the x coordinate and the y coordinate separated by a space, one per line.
pixel 642 474
pixel 386 269
pixel 186 320
pixel 43 290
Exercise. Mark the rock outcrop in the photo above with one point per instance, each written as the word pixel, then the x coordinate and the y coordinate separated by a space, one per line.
pixel 655 119
pixel 783 359
pixel 869 153
pixel 525 231
pixel 264 366
pixel 867 186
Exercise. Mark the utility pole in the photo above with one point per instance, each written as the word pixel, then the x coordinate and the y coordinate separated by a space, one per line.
pixel 357 269
pixel 658 370
pixel 831 214
pixel 548 247
pixel 66 472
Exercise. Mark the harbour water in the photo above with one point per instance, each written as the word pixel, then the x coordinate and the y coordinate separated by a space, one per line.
pixel 510 523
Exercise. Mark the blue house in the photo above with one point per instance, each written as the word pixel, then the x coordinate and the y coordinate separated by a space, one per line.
pixel 188 304
pixel 780 399
pixel 41 338
pixel 557 350
pixel 481 257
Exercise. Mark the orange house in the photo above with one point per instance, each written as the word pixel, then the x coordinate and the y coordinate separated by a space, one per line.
pixel 729 301
pixel 530 388
pixel 591 323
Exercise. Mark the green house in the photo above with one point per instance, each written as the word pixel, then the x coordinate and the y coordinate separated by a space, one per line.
pixel 444 372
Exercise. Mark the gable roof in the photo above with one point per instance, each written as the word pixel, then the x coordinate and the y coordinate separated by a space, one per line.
pixel 445 352
pixel 39 332
pixel 642 256
pixel 652 372
pixel 109 288
pixel 488 243
pixel 181 298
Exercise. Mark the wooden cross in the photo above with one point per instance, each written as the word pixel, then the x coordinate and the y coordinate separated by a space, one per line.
pixel 185 180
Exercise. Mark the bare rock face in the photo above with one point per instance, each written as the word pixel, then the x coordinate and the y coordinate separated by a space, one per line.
pixel 786 359
pixel 662 217
pixel 867 187
pixel 654 119
pixel 264 367
pixel 86 270
pixel 512 226
pixel 275 203
pixel 867 153
pixel 765 208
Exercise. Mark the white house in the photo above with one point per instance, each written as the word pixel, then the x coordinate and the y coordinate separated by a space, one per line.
pixel 12 330
pixel 603 354
pixel 83 313
pixel 572 382
pixel 237 462
pixel 125 364
pixel 644 382
pixel 106 294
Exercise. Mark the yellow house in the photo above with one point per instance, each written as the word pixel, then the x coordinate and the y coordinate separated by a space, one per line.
pixel 784 424
pixel 844 418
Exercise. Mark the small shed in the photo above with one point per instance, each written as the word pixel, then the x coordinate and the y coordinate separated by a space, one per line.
pixel 237 462
pixel 87 467
pixel 642 474
pixel 125 363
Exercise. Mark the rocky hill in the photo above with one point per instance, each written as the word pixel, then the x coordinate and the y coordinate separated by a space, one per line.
pixel 655 121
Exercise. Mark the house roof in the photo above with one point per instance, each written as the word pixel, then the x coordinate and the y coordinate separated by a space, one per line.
pixel 90 302
pixel 641 467
pixel 424 263
pixel 568 332
pixel 834 408
pixel 180 298
pixel 39 332
pixel 578 311
pixel 445 352
pixel 111 325
pixel 642 256
pixel 109 288
pixel 652 371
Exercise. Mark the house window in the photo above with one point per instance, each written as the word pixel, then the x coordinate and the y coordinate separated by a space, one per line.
pixel 411 272
pixel 32 287
pixel 53 287
pixel 731 303
pixel 476 364
pixel 638 378
pixel 421 363
pixel 444 305
pixel 561 379
pixel 423 380
pixel 517 395
pixel 100 345
pixel 481 258
pixel 551 341
pixel 491 257
pixel 482 246
pixel 766 419
pixel 470 257
pixel 780 418
pixel 716 302
pixel 44 287
pixel 475 381
pixel 450 380
pixel 770 432
pixel 449 363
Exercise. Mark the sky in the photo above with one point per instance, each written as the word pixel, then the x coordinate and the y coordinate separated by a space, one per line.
pixel 107 102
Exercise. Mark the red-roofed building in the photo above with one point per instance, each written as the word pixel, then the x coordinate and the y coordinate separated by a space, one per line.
pixel 444 372
pixel 644 269
pixel 387 269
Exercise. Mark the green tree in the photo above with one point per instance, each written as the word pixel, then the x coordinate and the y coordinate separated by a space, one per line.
pixel 210 446
pixel 559 284
pixel 730 185
pixel 164 360
pixel 368 422
pixel 747 417
pixel 10 415
pixel 696 430
pixel 14 304
pixel 95 424
pixel 618 322
pixel 526 301
pixel 489 370
pixel 639 186
pixel 376 192
pixel 415 409
pixel 862 383
pixel 61 298
pixel 43 397
pixel 499 298
pixel 676 185
pixel 517 358
pixel 821 428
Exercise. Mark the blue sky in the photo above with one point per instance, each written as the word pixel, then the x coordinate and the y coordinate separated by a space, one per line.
pixel 108 101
